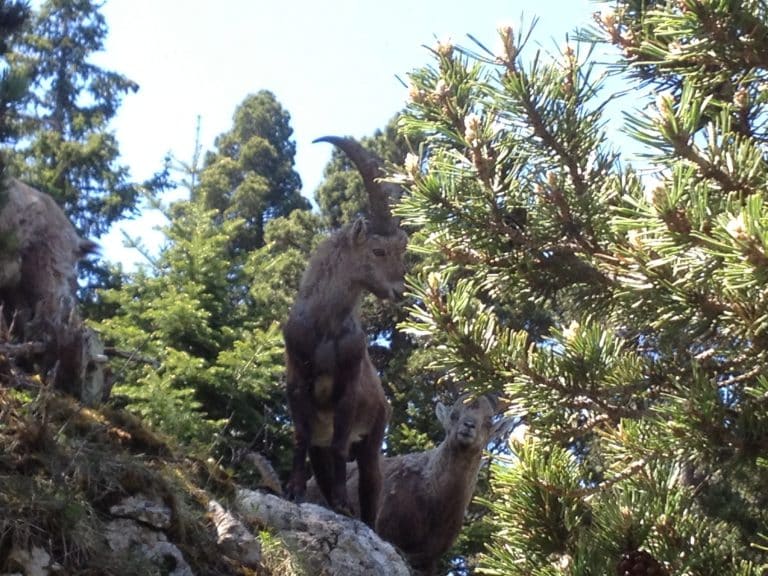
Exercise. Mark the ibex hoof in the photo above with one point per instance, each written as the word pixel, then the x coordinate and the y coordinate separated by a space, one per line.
pixel 344 509
pixel 294 494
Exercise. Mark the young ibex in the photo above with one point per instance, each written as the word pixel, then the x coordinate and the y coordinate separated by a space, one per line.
pixel 425 494
pixel 335 397
pixel 38 285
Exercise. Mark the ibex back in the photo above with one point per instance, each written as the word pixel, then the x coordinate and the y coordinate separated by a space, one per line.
pixel 335 396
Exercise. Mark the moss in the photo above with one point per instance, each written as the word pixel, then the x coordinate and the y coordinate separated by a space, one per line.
pixel 277 559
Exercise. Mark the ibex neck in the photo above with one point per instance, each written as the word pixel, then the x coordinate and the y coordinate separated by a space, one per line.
pixel 454 470
pixel 332 302
pixel 329 292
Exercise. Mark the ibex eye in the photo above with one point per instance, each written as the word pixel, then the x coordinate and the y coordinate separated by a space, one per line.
pixel 379 252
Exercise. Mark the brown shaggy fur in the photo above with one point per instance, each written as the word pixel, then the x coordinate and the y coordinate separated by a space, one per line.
pixel 42 271
pixel 334 393
pixel 38 277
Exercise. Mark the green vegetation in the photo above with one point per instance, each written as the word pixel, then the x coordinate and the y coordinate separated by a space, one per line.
pixel 616 303
pixel 619 307
pixel 64 146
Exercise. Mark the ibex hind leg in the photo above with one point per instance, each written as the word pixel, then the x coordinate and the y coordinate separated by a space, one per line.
pixel 323 468
pixel 338 460
pixel 369 470
pixel 300 412
pixel 346 385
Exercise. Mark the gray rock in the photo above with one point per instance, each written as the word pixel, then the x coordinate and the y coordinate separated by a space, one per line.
pixel 326 543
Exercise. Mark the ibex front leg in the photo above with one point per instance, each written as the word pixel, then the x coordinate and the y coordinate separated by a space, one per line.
pixel 301 413
pixel 345 404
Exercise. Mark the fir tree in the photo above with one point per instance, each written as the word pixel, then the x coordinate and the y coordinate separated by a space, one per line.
pixel 13 14
pixel 12 86
pixel 621 313
pixel 207 311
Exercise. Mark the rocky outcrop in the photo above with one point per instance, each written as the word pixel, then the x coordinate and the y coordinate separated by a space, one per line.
pixel 323 543
pixel 327 544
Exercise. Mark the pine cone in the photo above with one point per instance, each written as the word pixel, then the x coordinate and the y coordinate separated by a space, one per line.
pixel 640 563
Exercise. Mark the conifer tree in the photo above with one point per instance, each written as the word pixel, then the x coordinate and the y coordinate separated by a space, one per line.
pixel 251 175
pixel 620 310
pixel 12 87
pixel 207 311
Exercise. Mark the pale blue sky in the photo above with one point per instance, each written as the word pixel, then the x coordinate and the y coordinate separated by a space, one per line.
pixel 332 64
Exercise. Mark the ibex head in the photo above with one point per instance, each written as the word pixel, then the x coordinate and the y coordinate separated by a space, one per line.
pixel 468 423
pixel 378 260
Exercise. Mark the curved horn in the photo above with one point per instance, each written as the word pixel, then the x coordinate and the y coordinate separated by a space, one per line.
pixel 371 168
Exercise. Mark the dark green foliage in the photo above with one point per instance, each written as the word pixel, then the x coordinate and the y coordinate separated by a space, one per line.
pixel 180 316
pixel 13 14
pixel 623 316
pixel 276 267
pixel 251 175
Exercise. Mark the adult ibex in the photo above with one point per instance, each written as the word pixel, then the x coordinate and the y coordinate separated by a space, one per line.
pixel 425 494
pixel 335 397
pixel 38 287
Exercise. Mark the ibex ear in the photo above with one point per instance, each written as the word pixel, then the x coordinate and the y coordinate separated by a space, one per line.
pixel 443 414
pixel 493 400
pixel 359 231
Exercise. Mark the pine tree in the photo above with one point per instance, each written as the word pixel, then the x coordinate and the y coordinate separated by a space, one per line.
pixel 13 85
pixel 620 310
